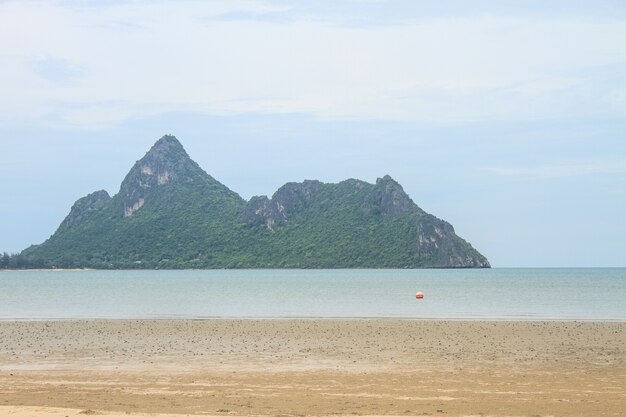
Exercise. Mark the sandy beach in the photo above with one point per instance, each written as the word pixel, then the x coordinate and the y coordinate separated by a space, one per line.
pixel 312 367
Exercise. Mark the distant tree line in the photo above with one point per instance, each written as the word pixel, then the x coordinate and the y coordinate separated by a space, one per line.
pixel 19 261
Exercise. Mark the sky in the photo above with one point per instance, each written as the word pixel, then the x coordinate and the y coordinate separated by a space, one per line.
pixel 505 118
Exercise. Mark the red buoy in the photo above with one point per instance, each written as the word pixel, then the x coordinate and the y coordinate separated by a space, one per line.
pixel 419 295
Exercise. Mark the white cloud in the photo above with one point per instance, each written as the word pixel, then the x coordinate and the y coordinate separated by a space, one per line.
pixel 57 71
pixel 561 170
pixel 142 58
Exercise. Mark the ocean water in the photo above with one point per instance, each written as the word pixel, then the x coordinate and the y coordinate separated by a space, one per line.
pixel 498 293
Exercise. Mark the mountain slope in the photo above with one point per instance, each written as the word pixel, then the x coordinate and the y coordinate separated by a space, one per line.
pixel 168 209
pixel 169 213
pixel 354 223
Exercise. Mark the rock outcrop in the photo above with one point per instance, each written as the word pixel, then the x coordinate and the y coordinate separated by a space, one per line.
pixel 83 207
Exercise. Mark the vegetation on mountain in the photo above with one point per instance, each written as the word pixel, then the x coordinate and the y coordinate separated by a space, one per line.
pixel 169 213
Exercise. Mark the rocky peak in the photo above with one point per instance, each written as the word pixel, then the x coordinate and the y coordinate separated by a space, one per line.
pixel 165 163
pixel 85 206
pixel 260 210
pixel 167 141
pixel 388 198
pixel 294 195
pixel 355 184
pixel 286 201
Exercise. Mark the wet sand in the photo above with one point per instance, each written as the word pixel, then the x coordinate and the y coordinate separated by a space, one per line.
pixel 312 367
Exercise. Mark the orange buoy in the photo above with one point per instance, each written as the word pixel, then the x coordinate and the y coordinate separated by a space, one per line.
pixel 419 295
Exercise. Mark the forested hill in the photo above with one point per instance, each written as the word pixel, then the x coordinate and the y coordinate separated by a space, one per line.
pixel 169 213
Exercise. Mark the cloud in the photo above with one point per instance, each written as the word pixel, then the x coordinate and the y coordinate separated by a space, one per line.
pixel 109 62
pixel 561 170
pixel 57 71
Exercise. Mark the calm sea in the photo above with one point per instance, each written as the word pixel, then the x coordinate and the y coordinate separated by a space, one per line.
pixel 498 293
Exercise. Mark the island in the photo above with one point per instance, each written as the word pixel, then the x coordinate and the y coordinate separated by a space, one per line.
pixel 170 214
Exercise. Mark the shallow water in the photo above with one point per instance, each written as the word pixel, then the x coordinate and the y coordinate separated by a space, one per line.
pixel 498 293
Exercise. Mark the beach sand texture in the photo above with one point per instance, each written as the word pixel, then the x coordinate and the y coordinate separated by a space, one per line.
pixel 312 367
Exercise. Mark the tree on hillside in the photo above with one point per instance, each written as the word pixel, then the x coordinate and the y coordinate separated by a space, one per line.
pixel 4 260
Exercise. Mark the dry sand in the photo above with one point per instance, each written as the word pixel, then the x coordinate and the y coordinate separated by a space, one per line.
pixel 312 367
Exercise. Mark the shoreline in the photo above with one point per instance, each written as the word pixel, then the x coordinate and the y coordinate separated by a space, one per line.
pixel 51 270
pixel 312 269
pixel 316 318
pixel 313 367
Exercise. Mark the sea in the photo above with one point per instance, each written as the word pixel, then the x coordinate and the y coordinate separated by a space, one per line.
pixel 594 294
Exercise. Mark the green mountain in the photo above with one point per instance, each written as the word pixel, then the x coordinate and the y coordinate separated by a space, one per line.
pixel 169 213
